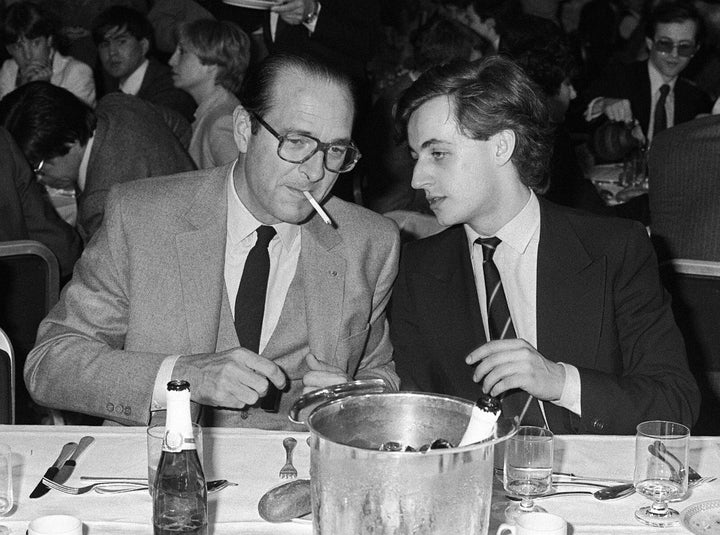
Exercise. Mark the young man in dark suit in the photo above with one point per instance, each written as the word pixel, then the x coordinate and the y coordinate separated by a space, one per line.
pixel 574 308
pixel 652 92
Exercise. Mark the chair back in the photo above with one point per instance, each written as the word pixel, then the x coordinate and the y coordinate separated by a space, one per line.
pixel 29 287
pixel 695 289
pixel 7 380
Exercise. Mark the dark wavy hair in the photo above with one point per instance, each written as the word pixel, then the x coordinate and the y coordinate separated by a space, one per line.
pixel 258 92
pixel 489 96
pixel 675 11
pixel 45 119
pixel 548 62
pixel 125 17
pixel 29 20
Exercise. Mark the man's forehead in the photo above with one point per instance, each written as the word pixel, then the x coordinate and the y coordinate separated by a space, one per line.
pixel 303 88
pixel 684 30
pixel 116 32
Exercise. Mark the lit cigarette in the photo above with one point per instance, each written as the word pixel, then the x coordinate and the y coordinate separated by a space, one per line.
pixel 317 207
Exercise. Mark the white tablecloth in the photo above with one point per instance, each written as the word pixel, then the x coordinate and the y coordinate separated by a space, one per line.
pixel 253 459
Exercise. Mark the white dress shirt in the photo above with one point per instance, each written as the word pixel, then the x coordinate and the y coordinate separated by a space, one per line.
pixel 284 251
pixel 516 261
pixel 131 86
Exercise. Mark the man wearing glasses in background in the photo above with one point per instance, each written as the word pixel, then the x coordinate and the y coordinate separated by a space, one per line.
pixel 161 292
pixel 652 92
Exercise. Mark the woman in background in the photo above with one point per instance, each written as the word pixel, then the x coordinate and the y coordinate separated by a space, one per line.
pixel 210 63
pixel 30 36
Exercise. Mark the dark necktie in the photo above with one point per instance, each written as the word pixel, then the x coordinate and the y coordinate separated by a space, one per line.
pixel 499 321
pixel 660 112
pixel 250 302
pixel 500 324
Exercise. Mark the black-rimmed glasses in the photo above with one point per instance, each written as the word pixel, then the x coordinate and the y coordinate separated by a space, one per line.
pixel 685 49
pixel 293 147
pixel 38 169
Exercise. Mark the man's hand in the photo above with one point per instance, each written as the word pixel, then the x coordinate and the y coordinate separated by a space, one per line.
pixel 232 379
pixel 321 374
pixel 617 109
pixel 35 71
pixel 294 11
pixel 506 364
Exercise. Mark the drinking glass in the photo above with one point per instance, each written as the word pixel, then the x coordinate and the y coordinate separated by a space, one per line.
pixel 6 480
pixel 661 452
pixel 528 469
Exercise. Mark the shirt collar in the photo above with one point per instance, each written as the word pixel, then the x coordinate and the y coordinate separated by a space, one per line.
pixel 131 86
pixel 241 223
pixel 519 231
pixel 656 79
pixel 82 173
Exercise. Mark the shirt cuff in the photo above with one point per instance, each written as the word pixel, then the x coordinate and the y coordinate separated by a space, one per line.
pixel 590 112
pixel 163 377
pixel 311 26
pixel 570 397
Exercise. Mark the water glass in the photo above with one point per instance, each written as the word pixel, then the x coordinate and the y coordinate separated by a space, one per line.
pixel 155 436
pixel 661 453
pixel 527 468
pixel 6 480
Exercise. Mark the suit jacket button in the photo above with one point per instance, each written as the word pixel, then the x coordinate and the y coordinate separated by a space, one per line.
pixel 110 407
pixel 598 424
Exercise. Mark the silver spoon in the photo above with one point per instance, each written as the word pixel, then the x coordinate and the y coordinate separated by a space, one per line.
pixel 606 493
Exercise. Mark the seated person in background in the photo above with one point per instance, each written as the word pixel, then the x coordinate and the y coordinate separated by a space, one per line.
pixel 166 16
pixel 386 159
pixel 549 64
pixel 30 36
pixel 570 302
pixel 652 92
pixel 683 167
pixel 75 147
pixel 123 37
pixel 210 63
pixel 26 212
pixel 162 290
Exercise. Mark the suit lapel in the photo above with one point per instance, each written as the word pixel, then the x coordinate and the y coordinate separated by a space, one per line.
pixel 323 284
pixel 201 257
pixel 570 292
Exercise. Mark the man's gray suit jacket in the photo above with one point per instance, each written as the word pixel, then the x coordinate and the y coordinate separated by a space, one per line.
pixel 151 284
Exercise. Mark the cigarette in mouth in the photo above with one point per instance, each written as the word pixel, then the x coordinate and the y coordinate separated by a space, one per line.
pixel 317 207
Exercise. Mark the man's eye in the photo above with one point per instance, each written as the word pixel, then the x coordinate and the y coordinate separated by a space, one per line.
pixel 438 154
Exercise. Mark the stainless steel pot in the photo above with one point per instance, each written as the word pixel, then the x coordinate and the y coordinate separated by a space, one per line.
pixel 357 489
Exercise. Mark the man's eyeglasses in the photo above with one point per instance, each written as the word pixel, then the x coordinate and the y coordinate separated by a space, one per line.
pixel 684 49
pixel 338 156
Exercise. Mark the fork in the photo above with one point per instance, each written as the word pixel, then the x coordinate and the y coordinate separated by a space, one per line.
pixel 106 487
pixel 288 470
pixel 116 487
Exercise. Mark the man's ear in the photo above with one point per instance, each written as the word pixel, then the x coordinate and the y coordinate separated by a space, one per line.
pixel 649 43
pixel 145 44
pixel 503 146
pixel 242 128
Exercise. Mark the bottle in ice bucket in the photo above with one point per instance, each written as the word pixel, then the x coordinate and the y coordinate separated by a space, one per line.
pixel 180 496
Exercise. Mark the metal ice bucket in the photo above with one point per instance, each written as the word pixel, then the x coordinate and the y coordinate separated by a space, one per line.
pixel 357 489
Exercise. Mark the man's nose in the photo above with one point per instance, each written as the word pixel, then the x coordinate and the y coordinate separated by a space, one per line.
pixel 314 168
pixel 420 178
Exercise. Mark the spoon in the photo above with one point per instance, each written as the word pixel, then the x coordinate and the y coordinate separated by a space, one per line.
pixel 605 493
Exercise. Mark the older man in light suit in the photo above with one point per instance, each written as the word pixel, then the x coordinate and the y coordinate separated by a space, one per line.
pixel 154 296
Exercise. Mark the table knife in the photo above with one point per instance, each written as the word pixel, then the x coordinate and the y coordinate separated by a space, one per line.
pixel 41 489
pixel 67 469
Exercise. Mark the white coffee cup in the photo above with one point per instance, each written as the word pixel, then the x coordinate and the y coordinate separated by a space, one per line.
pixel 535 524
pixel 55 525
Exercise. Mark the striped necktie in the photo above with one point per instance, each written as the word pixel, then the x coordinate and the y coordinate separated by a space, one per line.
pixel 500 324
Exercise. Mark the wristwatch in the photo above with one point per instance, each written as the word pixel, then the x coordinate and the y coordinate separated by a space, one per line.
pixel 310 17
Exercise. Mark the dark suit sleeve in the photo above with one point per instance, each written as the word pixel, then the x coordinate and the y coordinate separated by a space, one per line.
pixel 655 381
pixel 27 212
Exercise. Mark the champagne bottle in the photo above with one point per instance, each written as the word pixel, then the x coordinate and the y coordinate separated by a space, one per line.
pixel 180 496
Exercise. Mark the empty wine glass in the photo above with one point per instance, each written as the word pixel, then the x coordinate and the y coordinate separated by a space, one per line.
pixel 528 469
pixel 661 452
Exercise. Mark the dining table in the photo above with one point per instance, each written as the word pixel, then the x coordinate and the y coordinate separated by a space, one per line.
pixel 252 458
